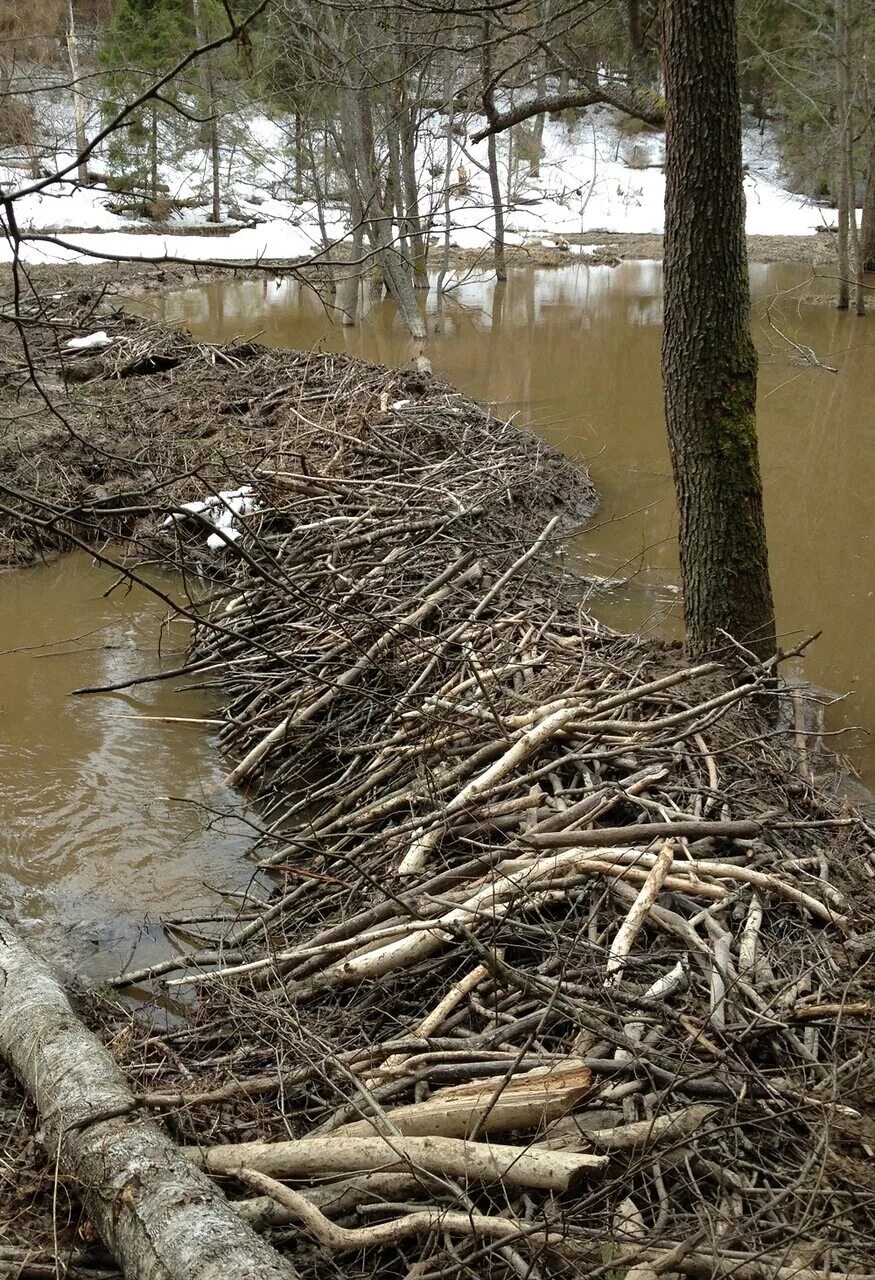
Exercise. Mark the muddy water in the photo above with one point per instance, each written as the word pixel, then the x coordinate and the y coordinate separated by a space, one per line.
pixel 575 352
pixel 92 848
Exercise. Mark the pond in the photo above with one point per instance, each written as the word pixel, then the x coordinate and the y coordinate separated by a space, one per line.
pixel 99 838
pixel 574 353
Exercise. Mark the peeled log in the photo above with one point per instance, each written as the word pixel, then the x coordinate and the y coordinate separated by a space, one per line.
pixel 451 1157
pixel 159 1216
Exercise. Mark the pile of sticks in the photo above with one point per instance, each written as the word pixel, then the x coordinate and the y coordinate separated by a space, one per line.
pixel 564 967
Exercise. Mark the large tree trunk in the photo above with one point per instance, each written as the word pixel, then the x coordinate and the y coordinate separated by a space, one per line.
pixel 867 246
pixel 407 122
pixel 448 172
pixel 709 361
pixel 159 1216
pixel 356 119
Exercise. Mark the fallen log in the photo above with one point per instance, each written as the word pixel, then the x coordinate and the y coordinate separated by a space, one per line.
pixel 158 1215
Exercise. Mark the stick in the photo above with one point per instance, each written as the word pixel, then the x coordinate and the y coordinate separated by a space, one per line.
pixel 332 1236
pixel 453 1157
pixel 629 929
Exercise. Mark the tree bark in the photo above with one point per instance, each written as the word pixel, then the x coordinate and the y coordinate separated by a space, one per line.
pixel 153 152
pixel 843 124
pixel 78 103
pixel 395 273
pixel 523 1166
pixel 867 247
pixel 856 239
pixel 492 154
pixel 448 171
pixel 709 362
pixel 407 123
pixel 159 1216
pixel 205 67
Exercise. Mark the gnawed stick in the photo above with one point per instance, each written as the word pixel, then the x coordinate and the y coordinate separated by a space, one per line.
pixel 333 1200
pixel 629 929
pixel 525 746
pixel 640 832
pixel 451 1157
pixel 338 1238
pixel 639 1136
pixel 442 1010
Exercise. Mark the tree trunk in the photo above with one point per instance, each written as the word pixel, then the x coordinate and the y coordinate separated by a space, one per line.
pixel 205 67
pixel 78 104
pixel 492 155
pixel 348 279
pixel 843 124
pixel 395 272
pixel 867 247
pixel 540 88
pixel 153 152
pixel 319 198
pixel 449 100
pixel 709 362
pixel 156 1213
pixel 394 198
pixel 407 124
pixel 299 153
pixel 357 140
pixel 635 27
pixel 856 239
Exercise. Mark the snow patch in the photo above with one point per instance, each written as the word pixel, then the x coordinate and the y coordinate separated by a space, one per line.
pixel 92 340
pixel 221 511
pixel 595 177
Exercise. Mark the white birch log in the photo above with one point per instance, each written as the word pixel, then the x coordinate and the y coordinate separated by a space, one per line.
pixel 158 1215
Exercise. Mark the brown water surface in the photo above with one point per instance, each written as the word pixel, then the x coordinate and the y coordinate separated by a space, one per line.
pixel 574 352
pixel 92 851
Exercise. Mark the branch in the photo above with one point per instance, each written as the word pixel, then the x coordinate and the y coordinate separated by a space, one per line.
pixel 642 105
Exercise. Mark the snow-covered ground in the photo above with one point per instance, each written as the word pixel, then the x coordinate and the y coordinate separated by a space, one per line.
pixel 594 178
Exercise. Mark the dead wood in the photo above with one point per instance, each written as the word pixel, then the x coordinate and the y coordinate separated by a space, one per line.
pixel 158 1215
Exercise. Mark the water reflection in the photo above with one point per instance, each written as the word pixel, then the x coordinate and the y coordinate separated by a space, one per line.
pixel 91 845
pixel 575 352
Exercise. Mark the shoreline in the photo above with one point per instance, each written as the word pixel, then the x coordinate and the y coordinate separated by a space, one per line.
pixel 610 248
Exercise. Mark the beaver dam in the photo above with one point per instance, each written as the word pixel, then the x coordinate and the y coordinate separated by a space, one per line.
pixel 566 968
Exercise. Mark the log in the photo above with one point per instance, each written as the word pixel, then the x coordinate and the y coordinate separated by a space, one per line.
pixel 493 1105
pixel 158 1215
pixel 452 1157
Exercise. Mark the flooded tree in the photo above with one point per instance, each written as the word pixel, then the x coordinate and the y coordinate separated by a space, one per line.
pixel 709 361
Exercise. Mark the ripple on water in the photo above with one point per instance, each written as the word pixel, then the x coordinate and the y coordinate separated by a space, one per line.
pixel 91 848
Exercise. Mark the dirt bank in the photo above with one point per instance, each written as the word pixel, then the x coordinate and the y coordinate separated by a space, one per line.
pixel 611 246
